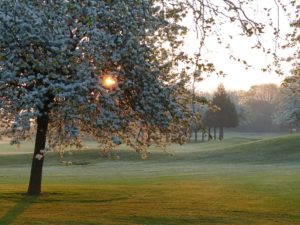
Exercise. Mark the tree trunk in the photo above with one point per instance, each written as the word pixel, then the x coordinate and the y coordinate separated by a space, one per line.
pixel 35 181
pixel 215 133
pixel 208 134
pixel 203 135
pixel 196 135
pixel 221 133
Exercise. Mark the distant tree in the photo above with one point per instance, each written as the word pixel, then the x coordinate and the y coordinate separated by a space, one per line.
pixel 198 108
pixel 195 127
pixel 210 121
pixel 243 110
pixel 260 102
pixel 226 116
pixel 263 93
pixel 288 106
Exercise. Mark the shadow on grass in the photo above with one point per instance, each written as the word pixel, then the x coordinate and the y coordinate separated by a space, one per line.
pixel 17 210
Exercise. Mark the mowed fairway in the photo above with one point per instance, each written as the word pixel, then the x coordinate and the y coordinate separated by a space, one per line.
pixel 245 179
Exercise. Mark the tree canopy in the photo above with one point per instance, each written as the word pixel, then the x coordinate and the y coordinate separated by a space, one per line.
pixel 54 55
pixel 225 116
pixel 288 107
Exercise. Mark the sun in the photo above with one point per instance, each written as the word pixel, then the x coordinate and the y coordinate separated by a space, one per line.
pixel 109 81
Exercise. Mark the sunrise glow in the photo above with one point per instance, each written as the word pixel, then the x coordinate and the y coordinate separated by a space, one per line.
pixel 109 81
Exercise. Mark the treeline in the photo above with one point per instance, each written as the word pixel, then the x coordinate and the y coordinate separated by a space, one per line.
pixel 263 108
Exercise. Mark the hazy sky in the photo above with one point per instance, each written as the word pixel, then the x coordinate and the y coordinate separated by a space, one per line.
pixel 237 76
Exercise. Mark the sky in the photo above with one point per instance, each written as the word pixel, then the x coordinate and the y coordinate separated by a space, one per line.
pixel 238 78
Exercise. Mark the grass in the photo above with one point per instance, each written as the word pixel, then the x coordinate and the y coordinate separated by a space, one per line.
pixel 245 179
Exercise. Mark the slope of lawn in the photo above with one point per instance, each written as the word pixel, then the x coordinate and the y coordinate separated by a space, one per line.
pixel 245 179
pixel 285 149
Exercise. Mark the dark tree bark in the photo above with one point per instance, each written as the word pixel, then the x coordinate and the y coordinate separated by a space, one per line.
pixel 221 133
pixel 35 181
pixel 208 134
pixel 196 135
pixel 203 136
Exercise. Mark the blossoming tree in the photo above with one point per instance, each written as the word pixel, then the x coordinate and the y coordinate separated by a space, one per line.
pixel 55 54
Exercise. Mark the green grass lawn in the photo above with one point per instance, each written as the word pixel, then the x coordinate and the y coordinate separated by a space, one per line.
pixel 245 179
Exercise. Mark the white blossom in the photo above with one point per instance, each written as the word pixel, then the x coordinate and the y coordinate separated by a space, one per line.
pixel 53 55
pixel 39 156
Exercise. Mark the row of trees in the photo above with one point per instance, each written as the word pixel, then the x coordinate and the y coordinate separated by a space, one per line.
pixel 265 107
pixel 219 112
pixel 268 107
